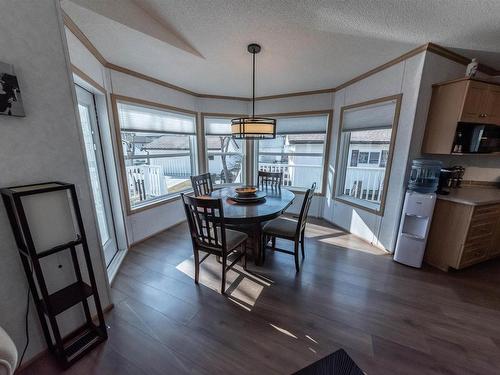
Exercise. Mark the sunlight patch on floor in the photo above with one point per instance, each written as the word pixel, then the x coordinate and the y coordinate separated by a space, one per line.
pixel 242 287
pixel 284 331
pixel 310 338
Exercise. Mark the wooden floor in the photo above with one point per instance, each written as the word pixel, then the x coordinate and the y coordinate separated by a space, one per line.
pixel 391 319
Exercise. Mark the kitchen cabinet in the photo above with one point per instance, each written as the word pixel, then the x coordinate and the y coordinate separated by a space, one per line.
pixel 461 100
pixel 462 235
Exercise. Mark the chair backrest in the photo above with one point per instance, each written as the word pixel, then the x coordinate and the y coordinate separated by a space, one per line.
pixel 202 184
pixel 271 180
pixel 205 218
pixel 305 207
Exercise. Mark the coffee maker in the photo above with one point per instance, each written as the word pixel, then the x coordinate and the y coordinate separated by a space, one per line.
pixel 450 178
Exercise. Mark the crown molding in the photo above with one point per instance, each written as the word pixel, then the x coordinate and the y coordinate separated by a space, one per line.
pixel 75 30
pixel 430 47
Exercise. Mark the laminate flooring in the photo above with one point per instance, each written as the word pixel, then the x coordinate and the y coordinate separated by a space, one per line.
pixel 391 319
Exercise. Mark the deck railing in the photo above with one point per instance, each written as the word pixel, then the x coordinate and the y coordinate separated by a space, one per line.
pixel 145 182
pixel 295 175
pixel 364 183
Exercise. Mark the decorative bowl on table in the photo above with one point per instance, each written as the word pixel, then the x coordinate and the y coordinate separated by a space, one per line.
pixel 245 191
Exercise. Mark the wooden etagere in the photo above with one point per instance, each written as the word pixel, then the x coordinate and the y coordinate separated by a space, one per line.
pixel 49 305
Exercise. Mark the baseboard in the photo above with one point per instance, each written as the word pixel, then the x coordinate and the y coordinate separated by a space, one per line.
pixel 361 238
pixel 135 243
pixel 114 267
pixel 45 351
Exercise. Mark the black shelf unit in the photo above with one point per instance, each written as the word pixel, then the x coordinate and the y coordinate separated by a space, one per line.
pixel 49 305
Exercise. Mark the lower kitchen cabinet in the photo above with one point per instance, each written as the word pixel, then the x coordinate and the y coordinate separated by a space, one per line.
pixel 462 235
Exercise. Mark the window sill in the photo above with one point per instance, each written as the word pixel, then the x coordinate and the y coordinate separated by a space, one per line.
pixel 302 191
pixel 373 208
pixel 157 203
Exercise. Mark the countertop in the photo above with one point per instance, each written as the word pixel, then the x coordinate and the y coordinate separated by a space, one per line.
pixel 475 196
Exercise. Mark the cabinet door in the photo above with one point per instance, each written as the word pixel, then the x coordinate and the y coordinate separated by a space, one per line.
pixel 474 107
pixel 492 110
pixel 495 248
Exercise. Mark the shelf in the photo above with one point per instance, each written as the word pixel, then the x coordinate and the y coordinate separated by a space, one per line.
pixel 82 343
pixel 68 297
pixel 58 248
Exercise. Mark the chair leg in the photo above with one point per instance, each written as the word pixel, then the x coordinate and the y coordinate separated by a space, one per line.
pixel 296 254
pixel 302 243
pixel 263 248
pixel 196 266
pixel 273 242
pixel 245 256
pixel 223 286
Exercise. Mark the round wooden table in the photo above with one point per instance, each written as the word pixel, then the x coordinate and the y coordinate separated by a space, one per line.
pixel 248 217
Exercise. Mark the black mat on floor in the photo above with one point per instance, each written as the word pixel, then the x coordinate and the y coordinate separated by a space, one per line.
pixel 338 363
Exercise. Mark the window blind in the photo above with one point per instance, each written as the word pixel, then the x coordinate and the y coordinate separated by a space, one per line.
pixel 302 124
pixel 375 116
pixel 135 117
pixel 217 126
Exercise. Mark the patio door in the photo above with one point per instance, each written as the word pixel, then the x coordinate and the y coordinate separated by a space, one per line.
pixel 95 162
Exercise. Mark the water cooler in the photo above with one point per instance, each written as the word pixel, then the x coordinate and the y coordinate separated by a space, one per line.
pixel 417 212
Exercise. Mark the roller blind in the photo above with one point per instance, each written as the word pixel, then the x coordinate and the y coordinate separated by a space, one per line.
pixel 375 116
pixel 217 126
pixel 302 124
pixel 135 117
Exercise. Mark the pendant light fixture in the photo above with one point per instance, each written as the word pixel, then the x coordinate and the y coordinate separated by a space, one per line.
pixel 253 127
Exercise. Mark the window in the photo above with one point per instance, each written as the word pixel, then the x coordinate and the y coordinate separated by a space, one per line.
pixel 225 155
pixel 354 158
pixel 298 150
pixel 366 145
pixel 159 152
pixel 374 156
pixel 383 159
pixel 363 158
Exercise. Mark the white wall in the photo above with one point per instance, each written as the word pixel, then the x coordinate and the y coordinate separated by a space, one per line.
pixel 400 78
pixel 43 146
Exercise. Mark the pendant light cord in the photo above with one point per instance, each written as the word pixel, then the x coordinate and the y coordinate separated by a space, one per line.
pixel 253 86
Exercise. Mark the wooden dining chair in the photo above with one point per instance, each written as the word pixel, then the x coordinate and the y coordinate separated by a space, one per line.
pixel 202 184
pixel 271 180
pixel 289 229
pixel 209 234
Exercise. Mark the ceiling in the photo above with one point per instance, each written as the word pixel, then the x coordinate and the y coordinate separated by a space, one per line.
pixel 306 45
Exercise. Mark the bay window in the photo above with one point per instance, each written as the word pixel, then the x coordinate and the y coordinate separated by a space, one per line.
pixel 225 155
pixel 366 144
pixel 298 151
pixel 158 151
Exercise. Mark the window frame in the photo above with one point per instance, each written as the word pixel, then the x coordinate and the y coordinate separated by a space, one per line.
pixel 204 149
pixel 326 151
pixel 343 150
pixel 115 99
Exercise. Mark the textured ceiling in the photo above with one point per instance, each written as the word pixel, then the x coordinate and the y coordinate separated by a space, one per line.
pixel 307 45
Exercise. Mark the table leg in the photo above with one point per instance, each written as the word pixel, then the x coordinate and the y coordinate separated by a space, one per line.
pixel 254 232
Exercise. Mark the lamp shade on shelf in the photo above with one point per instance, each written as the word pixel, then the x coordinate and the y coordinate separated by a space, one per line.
pixel 253 128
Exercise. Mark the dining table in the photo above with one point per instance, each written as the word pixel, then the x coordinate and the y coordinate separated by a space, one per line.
pixel 250 217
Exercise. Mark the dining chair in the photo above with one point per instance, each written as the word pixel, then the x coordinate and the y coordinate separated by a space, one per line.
pixel 209 234
pixel 271 180
pixel 202 184
pixel 289 229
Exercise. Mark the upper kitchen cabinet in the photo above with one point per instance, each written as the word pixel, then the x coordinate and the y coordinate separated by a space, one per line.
pixel 462 100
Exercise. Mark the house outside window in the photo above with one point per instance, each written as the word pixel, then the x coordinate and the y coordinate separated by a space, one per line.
pixel 158 149
pixel 225 155
pixel 298 151
pixel 366 141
